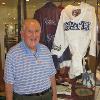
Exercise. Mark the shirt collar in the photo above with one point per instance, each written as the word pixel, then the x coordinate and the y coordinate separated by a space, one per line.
pixel 27 50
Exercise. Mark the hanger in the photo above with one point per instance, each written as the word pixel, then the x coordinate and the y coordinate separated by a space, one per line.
pixel 77 2
pixel 85 1
pixel 49 1
pixel 76 12
pixel 61 4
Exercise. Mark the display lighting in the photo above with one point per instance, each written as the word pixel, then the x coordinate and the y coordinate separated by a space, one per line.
pixel 3 3
pixel 79 3
pixel 8 14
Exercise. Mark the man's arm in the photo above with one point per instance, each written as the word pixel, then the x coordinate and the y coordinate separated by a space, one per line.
pixel 53 86
pixel 9 91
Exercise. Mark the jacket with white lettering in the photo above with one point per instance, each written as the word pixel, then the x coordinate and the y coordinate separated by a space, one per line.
pixel 78 33
pixel 48 16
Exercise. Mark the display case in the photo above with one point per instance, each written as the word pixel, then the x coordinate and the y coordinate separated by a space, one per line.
pixel 11 36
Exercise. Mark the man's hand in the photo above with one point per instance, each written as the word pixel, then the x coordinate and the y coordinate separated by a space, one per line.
pixel 9 91
pixel 54 97
pixel 53 86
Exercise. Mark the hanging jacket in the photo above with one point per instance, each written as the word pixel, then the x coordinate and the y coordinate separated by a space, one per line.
pixel 48 16
pixel 78 33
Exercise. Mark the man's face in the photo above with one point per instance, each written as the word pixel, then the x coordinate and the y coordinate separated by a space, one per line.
pixel 31 33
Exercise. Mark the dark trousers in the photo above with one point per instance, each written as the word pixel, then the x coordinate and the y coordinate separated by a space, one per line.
pixel 46 96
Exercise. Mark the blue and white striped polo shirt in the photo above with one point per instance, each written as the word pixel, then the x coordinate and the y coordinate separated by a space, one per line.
pixel 29 71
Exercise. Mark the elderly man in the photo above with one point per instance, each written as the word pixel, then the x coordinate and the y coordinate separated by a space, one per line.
pixel 29 70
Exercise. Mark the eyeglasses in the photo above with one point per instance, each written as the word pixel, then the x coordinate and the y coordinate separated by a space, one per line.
pixel 30 32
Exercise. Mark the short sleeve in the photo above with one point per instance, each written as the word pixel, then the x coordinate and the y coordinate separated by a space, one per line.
pixel 9 70
pixel 52 70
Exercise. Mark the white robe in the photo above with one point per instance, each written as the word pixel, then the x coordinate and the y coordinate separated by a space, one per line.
pixel 78 33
